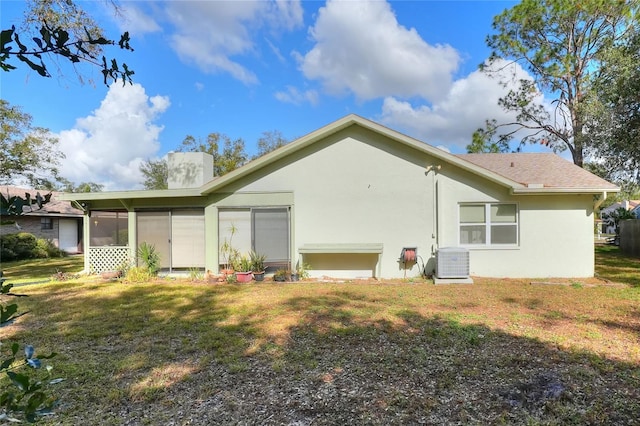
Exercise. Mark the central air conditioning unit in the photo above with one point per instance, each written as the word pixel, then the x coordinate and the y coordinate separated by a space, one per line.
pixel 452 262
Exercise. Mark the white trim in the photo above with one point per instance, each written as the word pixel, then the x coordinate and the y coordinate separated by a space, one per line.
pixel 487 225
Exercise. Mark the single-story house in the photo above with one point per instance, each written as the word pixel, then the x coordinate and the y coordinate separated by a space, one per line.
pixel 57 221
pixel 608 224
pixel 629 205
pixel 357 199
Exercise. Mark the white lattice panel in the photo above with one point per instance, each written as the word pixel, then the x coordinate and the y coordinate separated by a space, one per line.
pixel 107 259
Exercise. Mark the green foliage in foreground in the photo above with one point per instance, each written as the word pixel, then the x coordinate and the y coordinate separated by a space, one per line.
pixel 58 42
pixel 26 396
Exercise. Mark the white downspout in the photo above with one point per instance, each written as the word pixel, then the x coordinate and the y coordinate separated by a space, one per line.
pixel 600 200
pixel 436 222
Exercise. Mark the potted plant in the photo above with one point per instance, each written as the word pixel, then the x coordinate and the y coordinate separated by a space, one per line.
pixel 282 275
pixel 257 265
pixel 242 266
pixel 302 271
pixel 228 253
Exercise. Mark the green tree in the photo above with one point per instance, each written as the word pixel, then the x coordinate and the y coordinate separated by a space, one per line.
pixel 483 140
pixel 227 154
pixel 231 156
pixel 269 141
pixel 558 42
pixel 26 152
pixel 61 30
pixel 156 174
pixel 614 129
pixel 67 186
pixel 65 14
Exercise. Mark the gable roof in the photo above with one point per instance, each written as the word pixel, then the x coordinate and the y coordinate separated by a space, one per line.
pixel 626 204
pixel 541 171
pixel 491 168
pixel 339 125
pixel 55 207
pixel 535 173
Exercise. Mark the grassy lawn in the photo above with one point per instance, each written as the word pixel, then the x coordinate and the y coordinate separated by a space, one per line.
pixel 614 266
pixel 37 270
pixel 495 352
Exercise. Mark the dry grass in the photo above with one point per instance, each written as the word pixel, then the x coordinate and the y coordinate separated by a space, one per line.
pixel 41 269
pixel 495 352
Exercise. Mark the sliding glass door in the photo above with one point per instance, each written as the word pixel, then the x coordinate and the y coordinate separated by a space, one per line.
pixel 264 230
pixel 178 235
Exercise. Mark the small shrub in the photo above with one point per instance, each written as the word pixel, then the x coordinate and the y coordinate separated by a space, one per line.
pixel 303 270
pixel 18 246
pixel 195 274
pixel 23 245
pixel 138 274
pixel 257 261
pixel 49 248
pixel 148 255
pixel 282 275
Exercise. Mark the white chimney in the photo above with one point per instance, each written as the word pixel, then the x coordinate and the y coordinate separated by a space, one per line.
pixel 189 169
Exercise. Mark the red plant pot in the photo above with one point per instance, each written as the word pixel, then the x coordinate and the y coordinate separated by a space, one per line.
pixel 244 277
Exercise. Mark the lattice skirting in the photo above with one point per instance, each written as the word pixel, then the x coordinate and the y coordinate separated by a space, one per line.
pixel 106 259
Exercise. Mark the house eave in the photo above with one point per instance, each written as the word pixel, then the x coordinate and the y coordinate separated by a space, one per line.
pixel 130 195
pixel 342 124
pixel 546 191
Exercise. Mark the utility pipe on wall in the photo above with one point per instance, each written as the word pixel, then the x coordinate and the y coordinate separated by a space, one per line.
pixel 434 180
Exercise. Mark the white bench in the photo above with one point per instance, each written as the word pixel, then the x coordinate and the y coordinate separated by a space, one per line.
pixel 345 248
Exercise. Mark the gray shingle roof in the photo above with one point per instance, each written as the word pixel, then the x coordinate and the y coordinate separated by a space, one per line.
pixel 533 169
pixel 54 208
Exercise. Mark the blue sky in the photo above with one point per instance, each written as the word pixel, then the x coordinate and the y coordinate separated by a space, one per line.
pixel 242 68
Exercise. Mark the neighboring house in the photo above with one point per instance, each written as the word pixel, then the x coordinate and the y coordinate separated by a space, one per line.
pixel 608 224
pixel 57 221
pixel 632 205
pixel 350 199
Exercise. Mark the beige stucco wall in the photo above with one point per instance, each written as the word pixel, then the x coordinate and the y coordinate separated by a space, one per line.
pixel 365 190
pixel 357 187
pixel 356 191
pixel 555 231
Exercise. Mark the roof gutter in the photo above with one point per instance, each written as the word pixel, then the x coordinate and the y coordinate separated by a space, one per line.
pixel 544 191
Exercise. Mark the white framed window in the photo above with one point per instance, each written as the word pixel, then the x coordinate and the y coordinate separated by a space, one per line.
pixel 488 224
pixel 266 230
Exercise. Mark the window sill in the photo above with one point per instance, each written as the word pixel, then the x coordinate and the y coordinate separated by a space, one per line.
pixel 477 247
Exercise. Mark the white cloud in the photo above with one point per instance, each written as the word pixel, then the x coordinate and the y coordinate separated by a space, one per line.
pixel 210 33
pixel 451 121
pixel 361 48
pixel 294 96
pixel 135 20
pixel 108 146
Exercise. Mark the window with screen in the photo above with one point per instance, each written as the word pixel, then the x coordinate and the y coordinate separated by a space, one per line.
pixel 263 230
pixel 488 224
pixel 109 228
